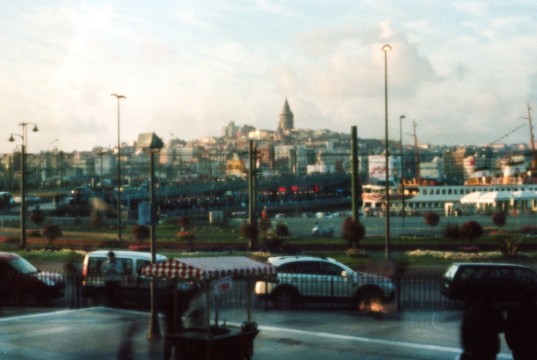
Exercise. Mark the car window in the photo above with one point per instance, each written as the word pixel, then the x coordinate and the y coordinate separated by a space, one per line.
pixel 140 264
pixel 524 275
pixel 472 273
pixel 330 269
pixel 95 264
pixel 300 267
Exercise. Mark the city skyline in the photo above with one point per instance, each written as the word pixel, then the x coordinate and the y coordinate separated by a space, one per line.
pixel 463 70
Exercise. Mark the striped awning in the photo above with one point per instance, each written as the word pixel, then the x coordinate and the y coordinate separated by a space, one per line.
pixel 209 268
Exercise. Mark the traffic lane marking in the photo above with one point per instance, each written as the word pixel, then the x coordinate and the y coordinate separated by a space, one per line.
pixel 406 344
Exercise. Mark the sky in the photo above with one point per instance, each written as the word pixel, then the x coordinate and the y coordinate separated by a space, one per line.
pixel 463 71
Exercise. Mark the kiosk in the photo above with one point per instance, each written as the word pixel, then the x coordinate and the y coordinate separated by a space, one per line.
pixel 210 273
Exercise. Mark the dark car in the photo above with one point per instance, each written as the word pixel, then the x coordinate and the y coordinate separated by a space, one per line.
pixel 22 283
pixel 505 282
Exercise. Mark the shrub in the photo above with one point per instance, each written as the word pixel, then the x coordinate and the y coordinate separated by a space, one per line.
pixel 529 230
pixel 185 223
pixel 249 232
pixel 264 224
pixel 282 230
pixel 272 241
pixel 52 232
pixel 471 230
pixel 97 220
pixel 353 232
pixel 451 231
pixel 189 236
pixel 37 216
pixel 353 252
pixel 498 218
pixel 431 218
pixel 140 232
pixel 510 247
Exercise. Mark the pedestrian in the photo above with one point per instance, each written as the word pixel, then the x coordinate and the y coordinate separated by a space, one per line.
pixel 521 327
pixel 480 331
pixel 112 272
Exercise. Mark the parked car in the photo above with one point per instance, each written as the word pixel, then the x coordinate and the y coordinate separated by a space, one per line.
pixel 134 289
pixel 505 282
pixel 314 279
pixel 22 283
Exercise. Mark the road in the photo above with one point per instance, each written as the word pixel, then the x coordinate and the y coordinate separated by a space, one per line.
pixel 312 335
pixel 410 225
pixel 297 335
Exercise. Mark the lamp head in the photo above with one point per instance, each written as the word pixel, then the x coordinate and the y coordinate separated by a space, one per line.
pixel 402 117
pixel 35 129
pixel 11 138
pixel 386 48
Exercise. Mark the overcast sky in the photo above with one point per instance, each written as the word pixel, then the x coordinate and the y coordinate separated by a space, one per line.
pixel 464 71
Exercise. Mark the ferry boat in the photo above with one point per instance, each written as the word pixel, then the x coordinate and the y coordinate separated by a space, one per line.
pixel 514 192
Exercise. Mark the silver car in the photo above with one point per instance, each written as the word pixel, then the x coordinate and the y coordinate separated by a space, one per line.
pixel 320 279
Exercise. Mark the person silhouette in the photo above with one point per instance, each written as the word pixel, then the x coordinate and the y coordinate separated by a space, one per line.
pixel 481 326
pixel 521 327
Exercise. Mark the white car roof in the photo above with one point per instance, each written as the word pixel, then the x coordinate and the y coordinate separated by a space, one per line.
pixel 279 260
pixel 128 254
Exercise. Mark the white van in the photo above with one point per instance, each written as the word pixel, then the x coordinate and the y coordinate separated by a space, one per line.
pixel 134 289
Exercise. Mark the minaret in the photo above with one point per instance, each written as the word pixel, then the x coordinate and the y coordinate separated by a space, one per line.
pixel 286 118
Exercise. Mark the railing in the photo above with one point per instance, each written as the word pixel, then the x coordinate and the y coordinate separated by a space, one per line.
pixel 412 291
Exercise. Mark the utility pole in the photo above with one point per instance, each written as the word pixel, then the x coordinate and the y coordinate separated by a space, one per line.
pixel 532 139
pixel 252 191
pixel 355 179
pixel 418 173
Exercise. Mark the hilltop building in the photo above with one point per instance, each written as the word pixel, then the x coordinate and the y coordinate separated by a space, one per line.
pixel 286 122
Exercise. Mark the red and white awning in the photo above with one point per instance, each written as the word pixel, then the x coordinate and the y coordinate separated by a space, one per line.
pixel 208 268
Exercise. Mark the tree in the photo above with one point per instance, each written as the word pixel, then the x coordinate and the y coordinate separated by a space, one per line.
pixel 471 230
pixel 250 232
pixel 140 232
pixel 353 232
pixel 52 232
pixel 498 218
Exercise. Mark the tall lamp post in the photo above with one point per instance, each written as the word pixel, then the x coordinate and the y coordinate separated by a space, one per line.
pixel 24 139
pixel 152 144
pixel 386 48
pixel 119 183
pixel 402 171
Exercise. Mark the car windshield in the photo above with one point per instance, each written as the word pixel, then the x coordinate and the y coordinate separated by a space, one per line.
pixel 22 266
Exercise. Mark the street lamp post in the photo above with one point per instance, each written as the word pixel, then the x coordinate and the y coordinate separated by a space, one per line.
pixel 386 48
pixel 24 139
pixel 152 144
pixel 119 183
pixel 402 167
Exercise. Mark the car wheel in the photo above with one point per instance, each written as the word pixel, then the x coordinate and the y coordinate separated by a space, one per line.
pixel 284 299
pixel 29 298
pixel 370 300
